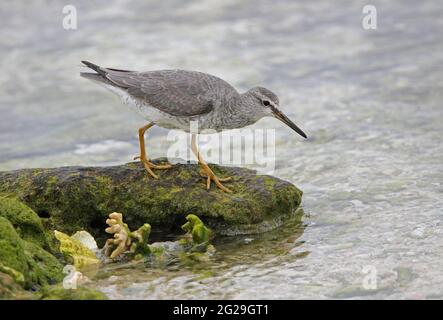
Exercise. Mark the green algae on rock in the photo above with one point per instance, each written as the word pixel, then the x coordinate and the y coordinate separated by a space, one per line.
pixel 17 276
pixel 27 223
pixel 75 252
pixel 76 198
pixel 18 256
pixel 81 293
pixel 10 289
pixel 26 255
pixel 199 234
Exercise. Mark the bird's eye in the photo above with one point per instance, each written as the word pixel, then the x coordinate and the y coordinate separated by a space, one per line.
pixel 265 103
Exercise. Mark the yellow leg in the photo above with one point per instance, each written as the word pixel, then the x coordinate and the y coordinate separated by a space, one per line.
pixel 144 156
pixel 206 171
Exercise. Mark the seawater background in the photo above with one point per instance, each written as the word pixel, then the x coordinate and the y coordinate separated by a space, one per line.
pixel 370 100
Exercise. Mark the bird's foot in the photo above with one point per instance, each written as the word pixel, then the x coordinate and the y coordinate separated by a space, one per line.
pixel 211 176
pixel 149 166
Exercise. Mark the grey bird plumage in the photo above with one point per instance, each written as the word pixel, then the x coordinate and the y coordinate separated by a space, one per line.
pixel 174 98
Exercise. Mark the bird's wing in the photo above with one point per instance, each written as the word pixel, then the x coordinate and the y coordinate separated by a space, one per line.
pixel 176 92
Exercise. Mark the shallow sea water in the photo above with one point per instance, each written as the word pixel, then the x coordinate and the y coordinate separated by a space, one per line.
pixel 370 100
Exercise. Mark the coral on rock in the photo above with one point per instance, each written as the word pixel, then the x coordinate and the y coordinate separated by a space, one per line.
pixel 124 240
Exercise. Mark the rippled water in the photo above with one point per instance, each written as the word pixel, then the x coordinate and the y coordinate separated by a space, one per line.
pixel 370 100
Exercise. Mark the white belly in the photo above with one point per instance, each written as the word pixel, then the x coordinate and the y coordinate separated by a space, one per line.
pixel 151 113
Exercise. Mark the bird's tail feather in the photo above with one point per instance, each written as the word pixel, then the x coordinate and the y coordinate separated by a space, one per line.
pixel 100 76
pixel 92 76
pixel 101 71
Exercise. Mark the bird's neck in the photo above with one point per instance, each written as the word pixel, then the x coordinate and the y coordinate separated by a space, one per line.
pixel 247 108
pixel 239 112
pixel 246 99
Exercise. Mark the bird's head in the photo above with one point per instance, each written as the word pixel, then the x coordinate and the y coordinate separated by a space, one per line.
pixel 266 103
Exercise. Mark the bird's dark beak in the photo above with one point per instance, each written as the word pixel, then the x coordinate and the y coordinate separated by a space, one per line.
pixel 280 116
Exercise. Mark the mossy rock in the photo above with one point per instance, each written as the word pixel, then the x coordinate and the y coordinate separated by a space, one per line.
pixel 76 198
pixel 10 289
pixel 81 293
pixel 18 256
pixel 12 248
pixel 45 269
pixel 27 223
pixel 75 252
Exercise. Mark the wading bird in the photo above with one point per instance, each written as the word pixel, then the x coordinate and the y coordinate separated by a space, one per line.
pixel 173 98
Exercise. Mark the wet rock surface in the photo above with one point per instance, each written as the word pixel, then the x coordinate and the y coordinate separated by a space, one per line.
pixel 75 198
